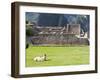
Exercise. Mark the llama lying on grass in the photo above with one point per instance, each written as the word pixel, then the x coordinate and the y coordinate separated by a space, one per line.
pixel 40 58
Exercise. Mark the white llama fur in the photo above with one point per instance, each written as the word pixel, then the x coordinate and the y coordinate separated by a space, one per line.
pixel 40 58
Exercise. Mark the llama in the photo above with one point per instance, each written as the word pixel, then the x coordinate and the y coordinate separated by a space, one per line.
pixel 40 58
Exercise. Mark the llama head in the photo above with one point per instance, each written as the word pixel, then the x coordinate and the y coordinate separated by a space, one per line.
pixel 45 57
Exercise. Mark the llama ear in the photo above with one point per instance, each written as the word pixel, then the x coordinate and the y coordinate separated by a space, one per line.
pixel 44 54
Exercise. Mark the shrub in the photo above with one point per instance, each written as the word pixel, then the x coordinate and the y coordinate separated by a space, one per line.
pixel 27 45
pixel 29 32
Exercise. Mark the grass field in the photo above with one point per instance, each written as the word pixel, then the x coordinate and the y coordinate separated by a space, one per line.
pixel 58 56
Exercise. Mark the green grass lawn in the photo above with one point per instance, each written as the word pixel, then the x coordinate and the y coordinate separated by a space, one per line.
pixel 58 56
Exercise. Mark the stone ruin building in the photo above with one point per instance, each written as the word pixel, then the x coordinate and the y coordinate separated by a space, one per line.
pixel 69 34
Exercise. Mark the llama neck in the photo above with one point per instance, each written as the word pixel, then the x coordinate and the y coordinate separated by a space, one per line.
pixel 44 57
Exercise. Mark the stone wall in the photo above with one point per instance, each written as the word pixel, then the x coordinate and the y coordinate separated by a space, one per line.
pixel 58 39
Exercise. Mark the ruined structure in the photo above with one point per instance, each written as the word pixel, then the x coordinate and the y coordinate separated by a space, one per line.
pixel 69 34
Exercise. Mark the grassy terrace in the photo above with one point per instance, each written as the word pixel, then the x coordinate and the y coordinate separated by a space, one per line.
pixel 58 56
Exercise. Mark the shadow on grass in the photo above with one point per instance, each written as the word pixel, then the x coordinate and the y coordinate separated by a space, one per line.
pixel 48 60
